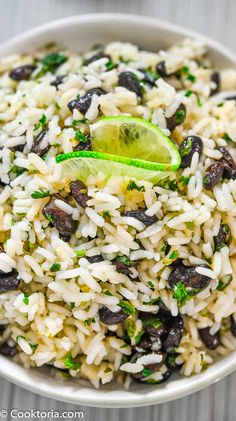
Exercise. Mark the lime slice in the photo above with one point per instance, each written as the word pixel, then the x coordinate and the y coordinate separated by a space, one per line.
pixel 125 146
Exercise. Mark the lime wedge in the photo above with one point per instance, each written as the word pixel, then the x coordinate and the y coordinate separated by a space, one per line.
pixel 125 146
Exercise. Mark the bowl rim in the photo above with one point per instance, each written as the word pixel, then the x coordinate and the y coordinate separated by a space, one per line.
pixel 32 379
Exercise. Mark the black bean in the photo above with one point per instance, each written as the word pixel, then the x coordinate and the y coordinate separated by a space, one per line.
pixel 229 164
pixel 65 238
pixel 189 277
pixel 223 237
pixel 177 118
pixel 40 147
pixel 233 325
pixel 145 344
pixel 174 335
pixel 83 103
pixel 96 57
pixel 22 72
pixel 213 175
pixel 129 81
pixel 7 350
pixel 84 146
pixel 9 281
pixel 211 341
pixel 188 147
pixel 95 259
pixel 121 267
pixel 215 77
pixel 109 318
pixel 141 216
pixel 62 221
pixel 165 376
pixel 58 81
pixel 2 328
pixel 152 324
pixel 230 98
pixel 79 192
pixel 18 148
pixel 161 69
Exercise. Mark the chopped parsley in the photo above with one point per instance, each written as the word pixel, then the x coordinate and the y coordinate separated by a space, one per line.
pixel 127 307
pixel 26 298
pixel 80 253
pixel 109 293
pixel 40 194
pixel 42 123
pixel 130 327
pixel 108 370
pixel 224 283
pixel 17 170
pixel 146 372
pixel 174 255
pixel 111 65
pixel 189 76
pixel 220 104
pixel 154 322
pixel 199 101
pixel 49 217
pixel 168 183
pixel 124 259
pixel 165 248
pixel 180 116
pixel 81 121
pixel 72 305
pixel 150 284
pixel 190 225
pixel 106 214
pixel 138 337
pixel 180 293
pixel 133 186
pixel 55 267
pixel 89 321
pixel 80 136
pixel 184 180
pixel 188 93
pixel 53 60
pixel 227 138
pixel 71 363
pixel 33 347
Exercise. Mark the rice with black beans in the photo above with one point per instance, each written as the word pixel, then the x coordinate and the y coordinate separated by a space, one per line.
pixel 114 278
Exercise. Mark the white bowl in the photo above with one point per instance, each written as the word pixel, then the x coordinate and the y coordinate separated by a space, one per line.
pixel 79 33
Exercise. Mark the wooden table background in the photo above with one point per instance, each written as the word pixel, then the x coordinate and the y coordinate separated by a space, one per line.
pixel 215 18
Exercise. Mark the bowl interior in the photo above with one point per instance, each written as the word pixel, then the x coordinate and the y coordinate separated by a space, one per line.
pixel 79 34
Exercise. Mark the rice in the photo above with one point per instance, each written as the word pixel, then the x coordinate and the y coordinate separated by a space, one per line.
pixel 105 288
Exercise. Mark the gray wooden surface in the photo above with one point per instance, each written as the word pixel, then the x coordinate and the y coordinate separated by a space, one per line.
pixel 215 18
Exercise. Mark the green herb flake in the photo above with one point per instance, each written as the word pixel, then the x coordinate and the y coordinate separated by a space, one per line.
pixel 184 180
pixel 146 372
pixel 154 322
pixel 72 305
pixel 12 156
pixel 199 101
pixel 55 267
pixel 180 293
pixel 227 138
pixel 191 78
pixel 138 337
pixel 124 259
pixel 150 284
pixel 40 194
pixel 17 170
pixel 111 65
pixel 42 123
pixel 168 183
pixel 108 370
pixel 109 293
pixel 224 283
pixel 77 122
pixel 188 93
pixel 89 321
pixel 133 186
pixel 80 253
pixel 190 225
pixel 180 116
pixel 130 327
pixel 174 255
pixel 80 136
pixel 33 347
pixel 53 60
pixel 106 214
pixel 49 217
pixel 220 104
pixel 71 363
pixel 127 307
pixel 26 298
